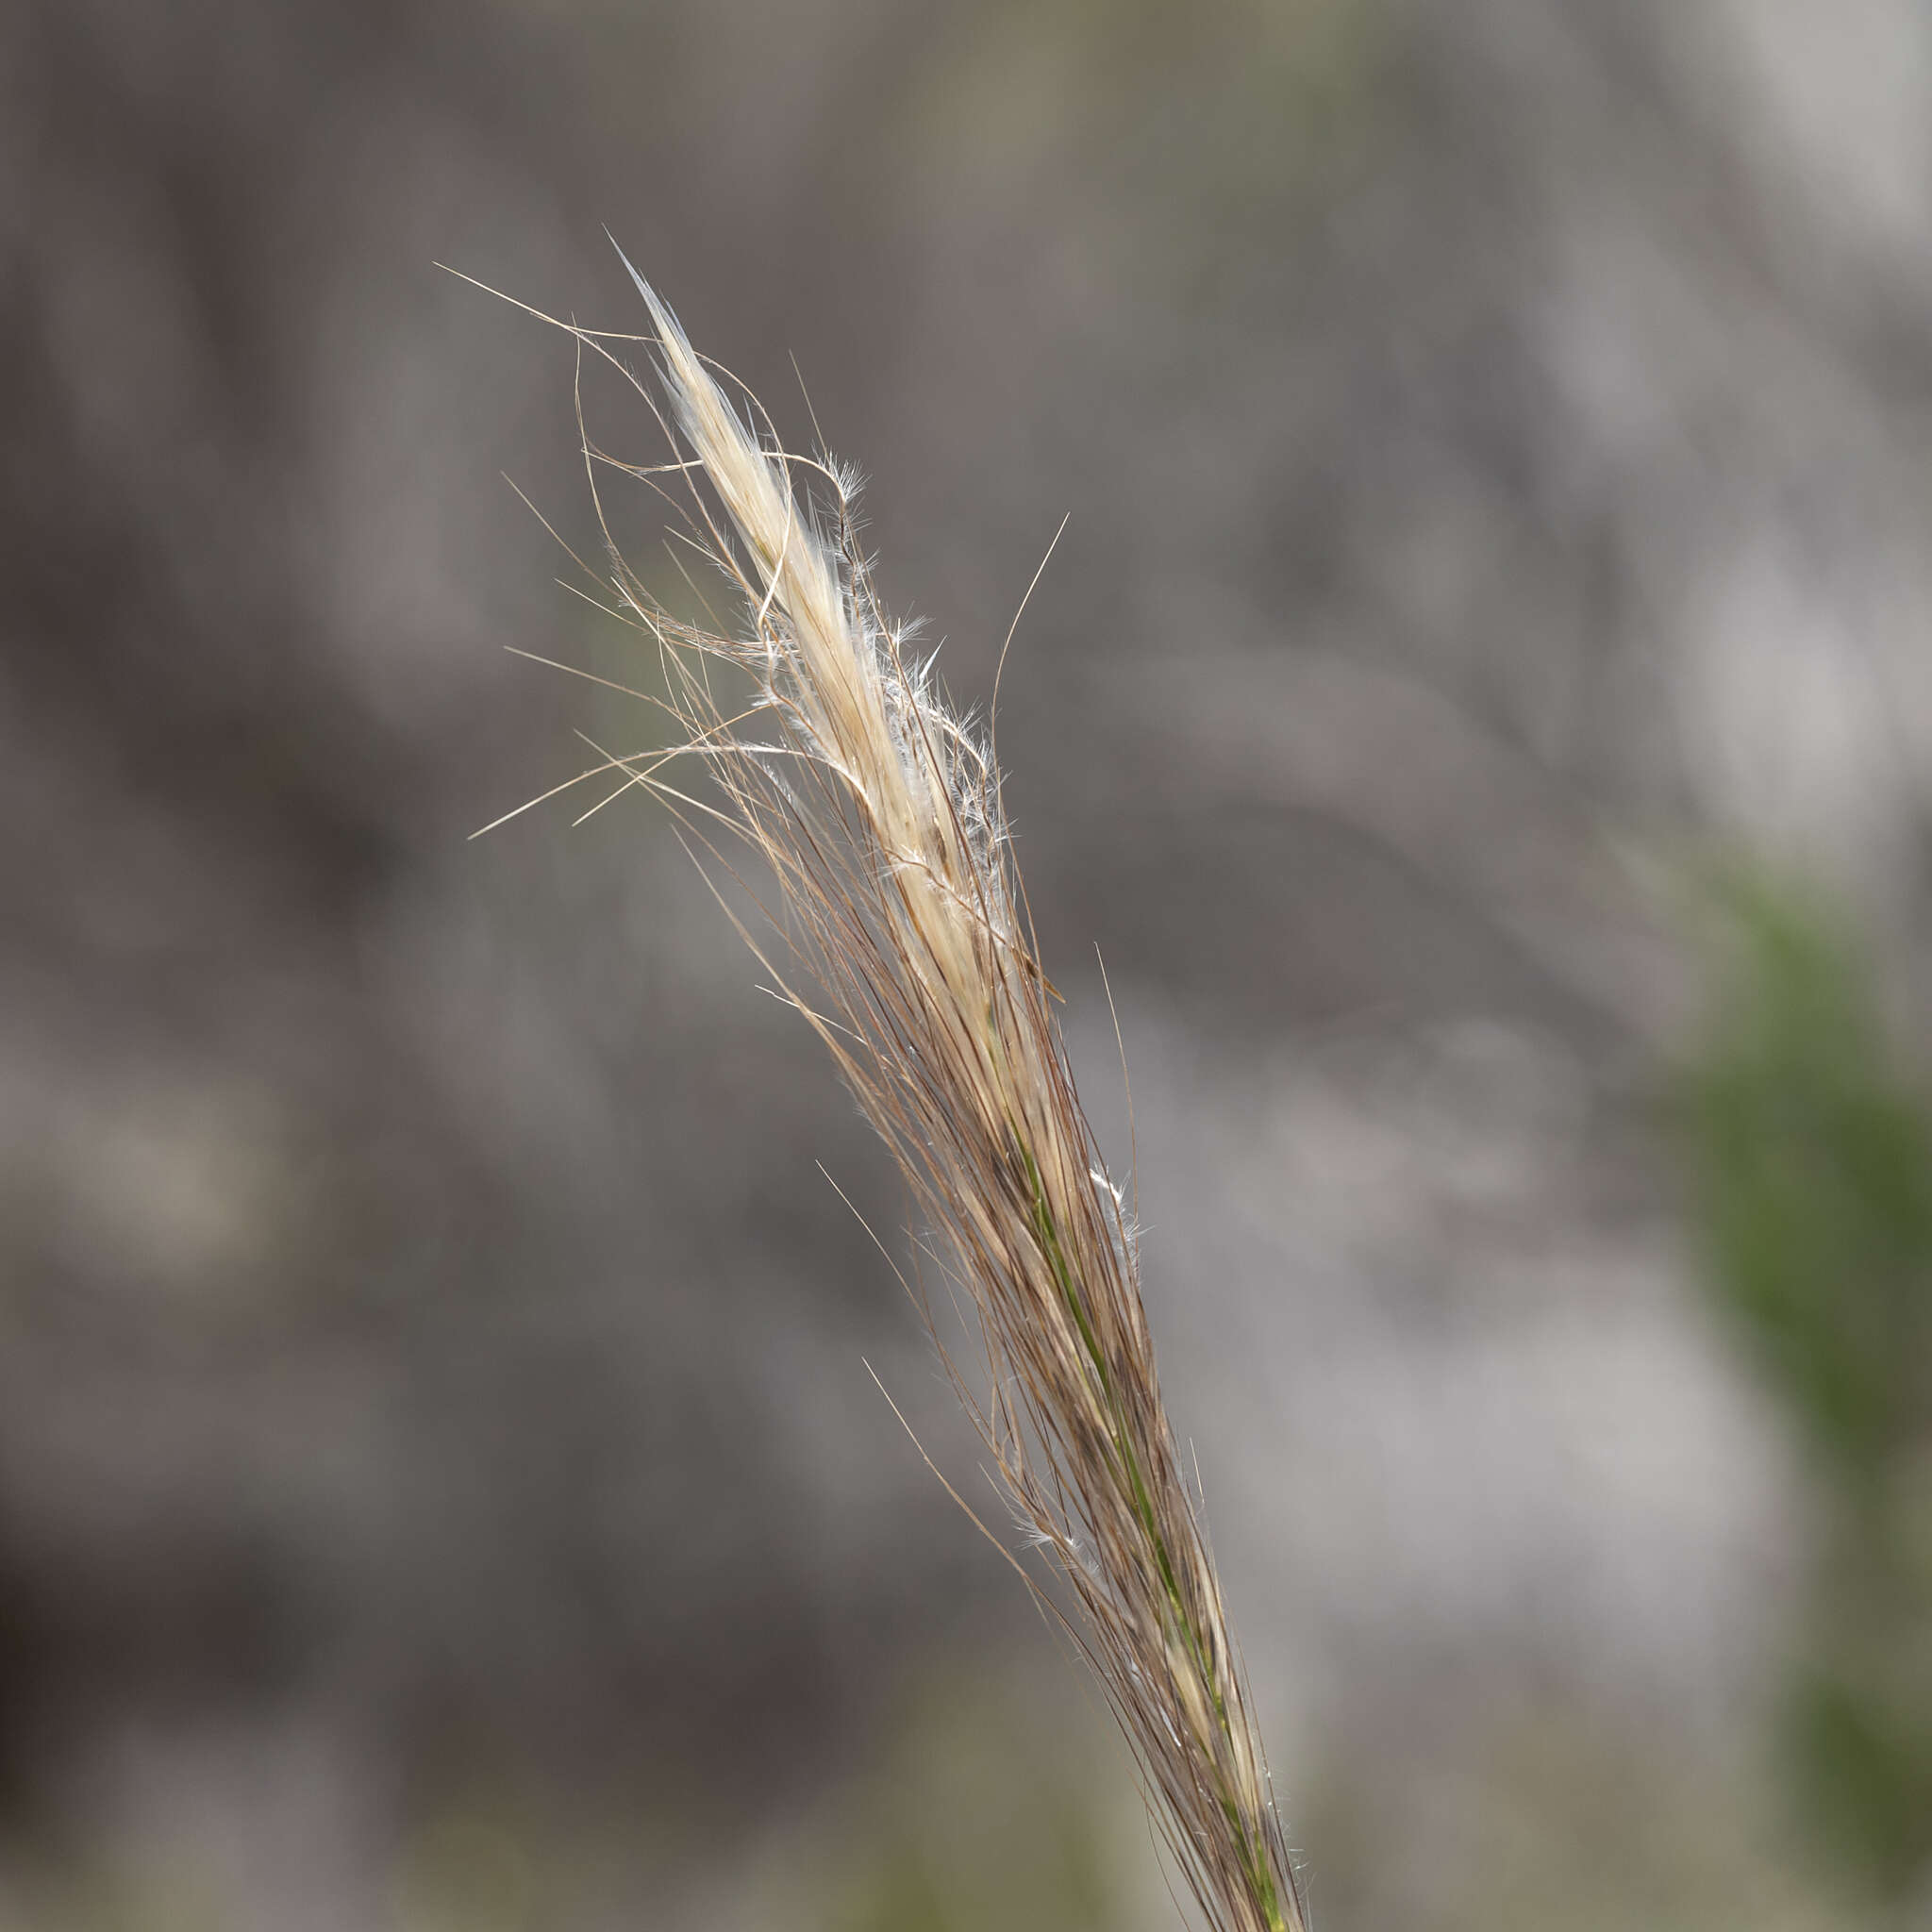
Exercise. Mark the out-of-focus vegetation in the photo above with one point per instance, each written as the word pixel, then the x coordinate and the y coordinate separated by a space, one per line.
pixel 1813 1197
pixel 954 1833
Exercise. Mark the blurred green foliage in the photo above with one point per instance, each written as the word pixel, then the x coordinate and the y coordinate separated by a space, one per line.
pixel 1216 126
pixel 980 1819
pixel 1813 1201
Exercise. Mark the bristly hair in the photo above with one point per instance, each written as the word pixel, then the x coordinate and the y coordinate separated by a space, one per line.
pixel 874 812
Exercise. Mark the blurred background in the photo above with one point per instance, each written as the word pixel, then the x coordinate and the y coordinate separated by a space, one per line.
pixel 1481 709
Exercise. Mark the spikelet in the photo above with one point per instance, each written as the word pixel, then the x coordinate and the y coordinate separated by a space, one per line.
pixel 905 942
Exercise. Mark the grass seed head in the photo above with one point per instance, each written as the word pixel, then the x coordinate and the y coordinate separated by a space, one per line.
pixel 871 817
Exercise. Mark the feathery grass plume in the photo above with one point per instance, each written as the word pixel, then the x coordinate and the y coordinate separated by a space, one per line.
pixel 906 941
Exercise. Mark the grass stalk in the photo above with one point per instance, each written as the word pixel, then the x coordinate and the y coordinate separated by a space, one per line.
pixel 898 926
